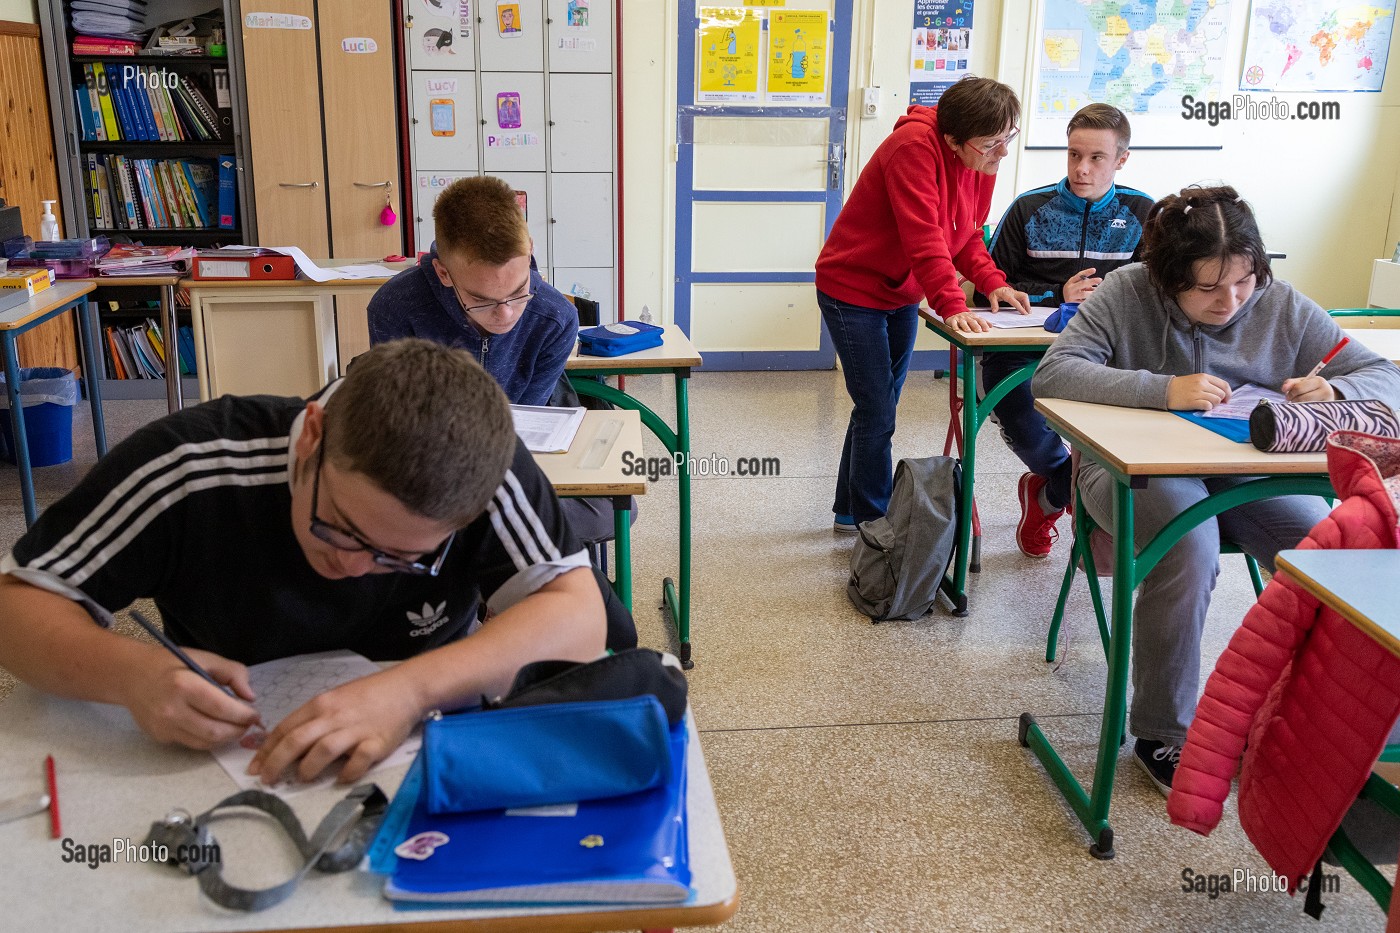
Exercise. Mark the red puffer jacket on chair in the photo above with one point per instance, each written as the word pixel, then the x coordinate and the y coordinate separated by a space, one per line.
pixel 1314 696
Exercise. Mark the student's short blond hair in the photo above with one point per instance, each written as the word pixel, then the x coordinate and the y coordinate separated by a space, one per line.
pixel 478 220
pixel 1103 117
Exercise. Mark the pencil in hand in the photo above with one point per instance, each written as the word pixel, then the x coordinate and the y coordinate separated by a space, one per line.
pixel 175 649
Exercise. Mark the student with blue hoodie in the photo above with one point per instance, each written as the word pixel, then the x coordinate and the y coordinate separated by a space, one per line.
pixel 477 289
pixel 1200 317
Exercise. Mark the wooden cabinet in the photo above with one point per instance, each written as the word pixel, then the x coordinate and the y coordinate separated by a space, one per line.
pixel 263 341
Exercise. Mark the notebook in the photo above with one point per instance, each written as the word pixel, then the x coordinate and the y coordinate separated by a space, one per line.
pixel 621 850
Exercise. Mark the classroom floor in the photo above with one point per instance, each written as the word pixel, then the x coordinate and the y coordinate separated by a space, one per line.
pixel 869 776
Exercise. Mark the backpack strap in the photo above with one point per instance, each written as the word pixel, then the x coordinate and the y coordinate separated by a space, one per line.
pixel 189 845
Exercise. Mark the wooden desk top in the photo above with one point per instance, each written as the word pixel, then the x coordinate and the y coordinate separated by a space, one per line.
pixel 113 782
pixel 1382 340
pixel 675 352
pixel 569 478
pixel 996 337
pixel 395 267
pixel 55 296
pixel 1147 442
pixel 1357 584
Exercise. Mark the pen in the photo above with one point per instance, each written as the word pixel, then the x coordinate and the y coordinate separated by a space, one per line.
pixel 1328 358
pixel 174 649
pixel 55 827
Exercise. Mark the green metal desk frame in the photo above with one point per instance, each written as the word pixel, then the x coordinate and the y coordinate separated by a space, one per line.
pixel 1130 568
pixel 677 441
pixel 974 413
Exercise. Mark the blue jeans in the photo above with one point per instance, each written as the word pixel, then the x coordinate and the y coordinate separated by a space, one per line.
pixel 1025 431
pixel 875 346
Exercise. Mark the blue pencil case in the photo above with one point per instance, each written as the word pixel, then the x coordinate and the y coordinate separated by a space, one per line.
pixel 534 755
pixel 618 339
pixel 1060 317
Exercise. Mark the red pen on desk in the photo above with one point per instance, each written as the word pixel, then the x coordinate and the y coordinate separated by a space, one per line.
pixel 55 826
pixel 1328 358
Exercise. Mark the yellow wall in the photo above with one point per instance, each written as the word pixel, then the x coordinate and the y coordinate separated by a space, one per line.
pixel 1325 193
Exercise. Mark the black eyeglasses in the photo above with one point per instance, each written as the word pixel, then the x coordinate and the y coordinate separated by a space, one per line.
pixel 507 303
pixel 343 540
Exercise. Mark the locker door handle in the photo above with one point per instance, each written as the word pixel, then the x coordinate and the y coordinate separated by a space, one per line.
pixel 377 184
pixel 304 184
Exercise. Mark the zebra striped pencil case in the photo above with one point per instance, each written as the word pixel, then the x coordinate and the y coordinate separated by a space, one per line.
pixel 1303 427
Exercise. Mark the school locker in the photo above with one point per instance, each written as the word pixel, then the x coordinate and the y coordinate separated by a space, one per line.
pixel 581 208
pixel 593 283
pixel 427 187
pixel 512 35
pixel 580 114
pixel 535 191
pixel 445 122
pixel 513 122
pixel 580 35
pixel 440 34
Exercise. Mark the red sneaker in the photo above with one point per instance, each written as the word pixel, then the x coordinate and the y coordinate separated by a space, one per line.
pixel 1035 533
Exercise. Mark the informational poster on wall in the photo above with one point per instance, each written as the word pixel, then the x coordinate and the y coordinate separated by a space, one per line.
pixel 940 48
pixel 731 42
pixel 797 57
pixel 1145 61
pixel 1311 45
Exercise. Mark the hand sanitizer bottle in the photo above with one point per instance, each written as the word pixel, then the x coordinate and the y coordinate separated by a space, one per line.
pixel 48 224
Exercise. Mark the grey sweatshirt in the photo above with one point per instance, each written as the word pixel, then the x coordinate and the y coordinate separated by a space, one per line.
pixel 1127 342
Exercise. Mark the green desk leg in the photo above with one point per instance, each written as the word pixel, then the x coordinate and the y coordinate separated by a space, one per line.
pixel 622 547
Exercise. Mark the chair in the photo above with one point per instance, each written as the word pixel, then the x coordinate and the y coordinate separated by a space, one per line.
pixel 1085 528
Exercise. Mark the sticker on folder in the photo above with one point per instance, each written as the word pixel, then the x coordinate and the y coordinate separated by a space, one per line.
pixel 508 110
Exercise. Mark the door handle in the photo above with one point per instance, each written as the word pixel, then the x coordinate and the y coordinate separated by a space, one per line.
pixel 304 184
pixel 836 162
pixel 377 184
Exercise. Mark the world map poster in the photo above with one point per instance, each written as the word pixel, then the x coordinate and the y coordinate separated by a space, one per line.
pixel 1141 56
pixel 1309 45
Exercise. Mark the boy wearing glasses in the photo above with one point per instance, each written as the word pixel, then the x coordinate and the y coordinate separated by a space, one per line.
pixel 376 516
pixel 1057 243
pixel 477 288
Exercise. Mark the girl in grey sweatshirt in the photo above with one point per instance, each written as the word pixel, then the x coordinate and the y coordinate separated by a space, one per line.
pixel 1201 316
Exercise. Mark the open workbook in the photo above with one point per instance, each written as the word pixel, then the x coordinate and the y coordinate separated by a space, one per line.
pixel 546 430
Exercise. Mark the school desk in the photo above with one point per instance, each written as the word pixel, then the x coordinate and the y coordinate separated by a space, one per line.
pixel 169 325
pixel 45 306
pixel 1356 584
pixel 113 782
pixel 676 356
pixel 1136 445
pixel 1028 341
pixel 1383 341
pixel 593 466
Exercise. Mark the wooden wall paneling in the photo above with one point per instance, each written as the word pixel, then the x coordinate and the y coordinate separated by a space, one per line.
pixel 284 124
pixel 27 173
pixel 360 106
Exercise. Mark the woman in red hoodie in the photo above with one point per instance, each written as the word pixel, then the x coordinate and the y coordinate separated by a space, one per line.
pixel 912 223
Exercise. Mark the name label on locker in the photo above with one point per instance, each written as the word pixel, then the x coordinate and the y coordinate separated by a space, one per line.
pixel 442 85
pixel 276 21
pixel 512 140
pixel 359 46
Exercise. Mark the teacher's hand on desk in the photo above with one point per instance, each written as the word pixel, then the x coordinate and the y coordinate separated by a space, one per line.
pixel 361 721
pixel 1014 300
pixel 1199 392
pixel 968 323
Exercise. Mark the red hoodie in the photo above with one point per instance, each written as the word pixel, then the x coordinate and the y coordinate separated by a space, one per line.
pixel 912 223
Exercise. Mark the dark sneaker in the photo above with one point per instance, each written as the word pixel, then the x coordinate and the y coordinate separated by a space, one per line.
pixel 844 525
pixel 1035 533
pixel 1159 760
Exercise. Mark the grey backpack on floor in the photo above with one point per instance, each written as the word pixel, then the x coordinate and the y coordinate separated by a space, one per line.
pixel 899 560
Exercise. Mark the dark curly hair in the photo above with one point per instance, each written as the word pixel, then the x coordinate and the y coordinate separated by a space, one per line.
pixel 1201 223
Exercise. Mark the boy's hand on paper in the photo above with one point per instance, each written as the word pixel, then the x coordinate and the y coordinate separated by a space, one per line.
pixel 1308 389
pixel 361 722
pixel 1014 300
pixel 171 703
pixel 1082 285
pixel 1199 392
pixel 968 323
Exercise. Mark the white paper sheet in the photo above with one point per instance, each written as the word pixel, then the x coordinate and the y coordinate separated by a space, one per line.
pixel 546 430
pixel 1013 319
pixel 282 686
pixel 1242 402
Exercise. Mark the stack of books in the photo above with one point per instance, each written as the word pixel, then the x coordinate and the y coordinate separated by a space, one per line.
pixel 140 352
pixel 143 104
pixel 120 19
pixel 124 259
pixel 144 194
pixel 104 45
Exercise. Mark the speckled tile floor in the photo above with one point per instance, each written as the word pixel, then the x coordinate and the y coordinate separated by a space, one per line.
pixel 869 775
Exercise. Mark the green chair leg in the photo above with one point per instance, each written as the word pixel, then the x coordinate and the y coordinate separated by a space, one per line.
pixel 1254 576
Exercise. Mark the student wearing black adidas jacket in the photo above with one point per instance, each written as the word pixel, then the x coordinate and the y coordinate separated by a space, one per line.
pixel 375 516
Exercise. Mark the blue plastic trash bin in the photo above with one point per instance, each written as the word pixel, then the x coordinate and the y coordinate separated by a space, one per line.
pixel 48 394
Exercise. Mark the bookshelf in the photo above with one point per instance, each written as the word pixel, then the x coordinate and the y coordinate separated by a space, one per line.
pixel 141 162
